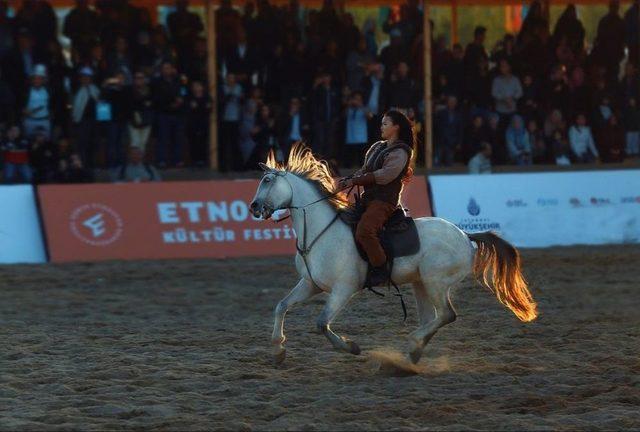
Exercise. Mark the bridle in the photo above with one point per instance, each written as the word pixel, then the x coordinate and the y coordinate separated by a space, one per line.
pixel 305 250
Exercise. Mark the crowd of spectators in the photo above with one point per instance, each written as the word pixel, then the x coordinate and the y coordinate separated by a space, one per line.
pixel 131 92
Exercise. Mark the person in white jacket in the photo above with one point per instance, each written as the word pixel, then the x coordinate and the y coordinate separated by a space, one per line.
pixel 581 140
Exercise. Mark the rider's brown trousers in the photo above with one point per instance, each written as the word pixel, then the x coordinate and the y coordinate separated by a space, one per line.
pixel 371 222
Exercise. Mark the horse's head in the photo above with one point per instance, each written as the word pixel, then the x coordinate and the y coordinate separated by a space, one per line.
pixel 274 193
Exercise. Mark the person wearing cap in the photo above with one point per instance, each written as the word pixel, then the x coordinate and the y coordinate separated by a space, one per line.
pixel 83 116
pixel 36 110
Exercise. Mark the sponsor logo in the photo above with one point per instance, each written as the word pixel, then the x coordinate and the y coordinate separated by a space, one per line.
pixel 516 203
pixel 575 202
pixel 96 224
pixel 630 200
pixel 473 208
pixel 599 201
pixel 475 224
pixel 547 202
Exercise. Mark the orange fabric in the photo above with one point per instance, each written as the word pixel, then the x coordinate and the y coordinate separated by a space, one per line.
pixel 370 225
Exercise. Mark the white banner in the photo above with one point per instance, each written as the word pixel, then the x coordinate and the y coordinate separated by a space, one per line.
pixel 20 235
pixel 544 209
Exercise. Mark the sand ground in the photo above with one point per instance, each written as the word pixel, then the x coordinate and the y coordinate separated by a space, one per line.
pixel 185 345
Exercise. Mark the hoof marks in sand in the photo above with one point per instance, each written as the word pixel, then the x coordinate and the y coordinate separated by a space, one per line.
pixel 394 364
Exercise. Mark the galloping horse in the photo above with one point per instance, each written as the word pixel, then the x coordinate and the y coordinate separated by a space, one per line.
pixel 328 260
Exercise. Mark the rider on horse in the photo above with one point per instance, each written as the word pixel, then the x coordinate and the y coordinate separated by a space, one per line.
pixel 386 168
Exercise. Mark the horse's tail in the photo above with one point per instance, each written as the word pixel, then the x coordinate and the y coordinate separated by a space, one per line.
pixel 498 260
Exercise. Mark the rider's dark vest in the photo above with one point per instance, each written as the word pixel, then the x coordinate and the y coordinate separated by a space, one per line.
pixel 374 160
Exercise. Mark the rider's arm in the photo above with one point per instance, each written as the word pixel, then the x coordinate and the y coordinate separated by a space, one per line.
pixel 392 167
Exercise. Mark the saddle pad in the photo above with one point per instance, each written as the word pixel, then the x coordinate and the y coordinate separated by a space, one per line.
pixel 401 238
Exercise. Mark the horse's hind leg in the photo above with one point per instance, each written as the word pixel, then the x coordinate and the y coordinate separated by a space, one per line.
pixel 338 298
pixel 301 292
pixel 438 295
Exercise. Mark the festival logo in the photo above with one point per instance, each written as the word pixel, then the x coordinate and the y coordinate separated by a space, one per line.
pixel 473 208
pixel 476 224
pixel 96 224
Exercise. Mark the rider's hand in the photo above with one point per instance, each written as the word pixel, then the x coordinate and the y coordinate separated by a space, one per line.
pixel 344 183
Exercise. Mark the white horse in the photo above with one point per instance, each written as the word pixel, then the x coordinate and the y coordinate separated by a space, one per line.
pixel 328 261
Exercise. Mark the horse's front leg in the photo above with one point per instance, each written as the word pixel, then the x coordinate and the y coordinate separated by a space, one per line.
pixel 339 297
pixel 301 292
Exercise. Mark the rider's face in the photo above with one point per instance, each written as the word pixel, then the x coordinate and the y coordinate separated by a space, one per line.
pixel 388 130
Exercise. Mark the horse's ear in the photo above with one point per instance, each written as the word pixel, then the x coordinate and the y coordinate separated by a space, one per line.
pixel 264 167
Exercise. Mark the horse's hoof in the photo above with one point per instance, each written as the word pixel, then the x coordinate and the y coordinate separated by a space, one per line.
pixel 354 348
pixel 279 357
pixel 415 356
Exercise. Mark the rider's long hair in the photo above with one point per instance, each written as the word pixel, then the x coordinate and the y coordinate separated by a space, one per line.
pixel 406 134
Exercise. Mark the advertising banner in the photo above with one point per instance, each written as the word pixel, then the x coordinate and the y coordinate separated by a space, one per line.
pixel 544 209
pixel 20 234
pixel 169 220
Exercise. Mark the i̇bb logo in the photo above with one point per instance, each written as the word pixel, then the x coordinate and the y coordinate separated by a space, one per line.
pixel 96 224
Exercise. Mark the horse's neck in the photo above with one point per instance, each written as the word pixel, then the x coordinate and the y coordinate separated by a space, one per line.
pixel 318 215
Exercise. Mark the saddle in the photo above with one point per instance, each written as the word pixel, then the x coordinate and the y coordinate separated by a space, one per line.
pixel 399 236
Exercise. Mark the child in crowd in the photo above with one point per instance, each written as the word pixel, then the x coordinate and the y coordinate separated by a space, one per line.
pixel 15 152
pixel 356 131
pixel 581 141
pixel 632 127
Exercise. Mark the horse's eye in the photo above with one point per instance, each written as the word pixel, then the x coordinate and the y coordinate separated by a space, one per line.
pixel 267 179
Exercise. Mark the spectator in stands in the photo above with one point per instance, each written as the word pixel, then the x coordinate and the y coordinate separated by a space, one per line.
pixel 241 59
pixel 43 156
pixel 325 106
pixel 293 126
pixel 402 89
pixel 608 47
pixel 518 142
pixel 579 94
pixel 119 96
pixel 7 29
pixel 231 98
pixel 569 31
pixel 18 64
pixel 137 169
pixel 505 50
pixel 83 116
pixel 356 131
pixel 198 114
pixel 40 19
pixel 474 135
pixel 141 113
pixel 529 105
pixel 554 122
pixel 375 91
pixel 37 110
pixel 581 140
pixel 7 103
pixel 478 92
pixel 169 105
pixel 632 32
pixel 629 86
pixel 557 95
pixel 119 61
pixel 610 141
pixel 394 53
pixel 481 162
pixel 448 130
pixel 265 136
pixel 540 153
pixel 454 70
pixel 72 170
pixel 82 26
pixel 15 153
pixel 506 90
pixel 496 138
pixel 602 114
pixel 250 110
pixel 358 61
pixel 475 52
pixel 184 26
pixel 632 127
pixel 561 149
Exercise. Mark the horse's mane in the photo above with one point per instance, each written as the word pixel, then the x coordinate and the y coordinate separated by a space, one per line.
pixel 304 164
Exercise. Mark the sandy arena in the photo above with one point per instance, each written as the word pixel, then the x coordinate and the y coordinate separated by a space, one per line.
pixel 184 345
